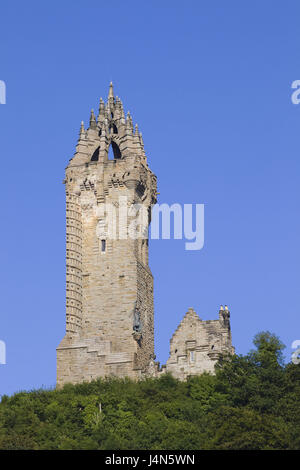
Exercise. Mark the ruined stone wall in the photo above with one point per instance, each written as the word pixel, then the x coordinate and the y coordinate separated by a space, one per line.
pixel 196 345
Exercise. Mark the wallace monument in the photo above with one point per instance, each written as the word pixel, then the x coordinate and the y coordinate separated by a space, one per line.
pixel 109 285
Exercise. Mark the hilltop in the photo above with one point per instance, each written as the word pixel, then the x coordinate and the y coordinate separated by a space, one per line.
pixel 252 402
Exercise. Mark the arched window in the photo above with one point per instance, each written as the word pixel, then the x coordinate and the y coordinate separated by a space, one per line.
pixel 113 129
pixel 110 153
pixel 95 156
pixel 114 151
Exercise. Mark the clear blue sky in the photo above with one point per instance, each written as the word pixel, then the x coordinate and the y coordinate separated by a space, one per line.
pixel 209 83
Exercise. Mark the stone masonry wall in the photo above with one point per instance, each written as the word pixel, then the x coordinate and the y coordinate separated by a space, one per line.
pixel 109 285
pixel 196 345
pixel 109 317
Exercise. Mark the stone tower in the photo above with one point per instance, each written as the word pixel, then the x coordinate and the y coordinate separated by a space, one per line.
pixel 109 286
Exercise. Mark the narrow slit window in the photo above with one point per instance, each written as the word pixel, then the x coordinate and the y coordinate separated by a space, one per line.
pixel 192 356
pixel 103 245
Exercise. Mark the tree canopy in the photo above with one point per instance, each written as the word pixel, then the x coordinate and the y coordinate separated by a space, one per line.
pixel 252 402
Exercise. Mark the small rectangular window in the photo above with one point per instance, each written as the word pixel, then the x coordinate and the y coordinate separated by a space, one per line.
pixel 103 245
pixel 192 356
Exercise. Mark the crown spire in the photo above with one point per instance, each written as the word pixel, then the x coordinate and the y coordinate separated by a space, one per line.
pixel 81 132
pixel 93 120
pixel 101 108
pixel 111 91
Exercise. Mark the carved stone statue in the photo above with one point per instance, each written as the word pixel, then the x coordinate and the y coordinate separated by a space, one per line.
pixel 137 325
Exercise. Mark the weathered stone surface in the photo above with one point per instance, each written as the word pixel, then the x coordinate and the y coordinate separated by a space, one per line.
pixel 108 278
pixel 109 285
pixel 196 345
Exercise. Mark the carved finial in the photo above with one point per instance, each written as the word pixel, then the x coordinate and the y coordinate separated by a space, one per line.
pixel 122 114
pixel 226 308
pixel 103 128
pixel 130 121
pixel 81 132
pixel 136 130
pixel 93 120
pixel 221 307
pixel 129 124
pixel 111 91
pixel 141 140
pixel 122 110
pixel 101 107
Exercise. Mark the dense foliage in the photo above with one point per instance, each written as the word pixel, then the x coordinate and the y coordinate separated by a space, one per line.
pixel 253 402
